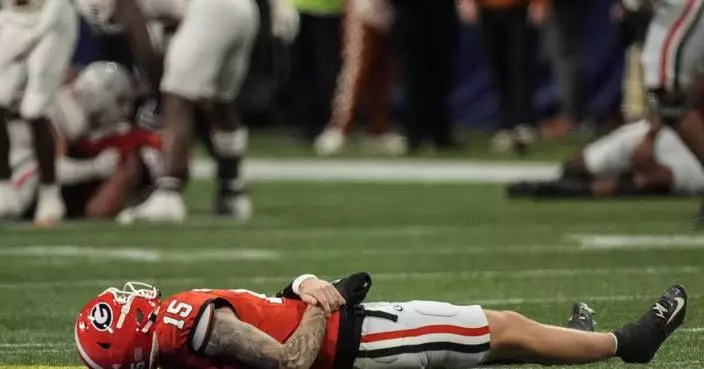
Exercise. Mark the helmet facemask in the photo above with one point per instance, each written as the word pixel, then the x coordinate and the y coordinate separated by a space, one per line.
pixel 126 296
pixel 130 289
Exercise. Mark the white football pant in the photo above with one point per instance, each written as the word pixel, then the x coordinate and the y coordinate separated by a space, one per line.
pixel 32 82
pixel 673 47
pixel 208 57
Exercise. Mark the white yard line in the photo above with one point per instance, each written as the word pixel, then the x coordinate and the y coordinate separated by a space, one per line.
pixel 692 330
pixel 70 251
pixel 380 277
pixel 566 299
pixel 65 346
pixel 678 364
pixel 75 254
pixel 537 273
pixel 79 254
pixel 422 171
pixel 637 241
pixel 34 351
pixel 29 345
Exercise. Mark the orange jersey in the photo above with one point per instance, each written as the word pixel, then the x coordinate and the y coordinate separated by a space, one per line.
pixel 178 328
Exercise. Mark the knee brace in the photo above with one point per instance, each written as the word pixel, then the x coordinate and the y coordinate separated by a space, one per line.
pixel 230 143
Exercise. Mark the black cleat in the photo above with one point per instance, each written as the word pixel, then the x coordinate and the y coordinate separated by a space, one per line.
pixel 639 341
pixel 236 206
pixel 582 318
pixel 521 189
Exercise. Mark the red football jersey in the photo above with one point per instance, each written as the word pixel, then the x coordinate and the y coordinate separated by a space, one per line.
pixel 125 142
pixel 184 322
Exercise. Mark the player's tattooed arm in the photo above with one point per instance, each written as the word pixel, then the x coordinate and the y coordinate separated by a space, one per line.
pixel 234 339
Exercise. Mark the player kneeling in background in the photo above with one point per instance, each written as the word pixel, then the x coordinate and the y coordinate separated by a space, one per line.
pixel 37 40
pixel 642 158
pixel 316 324
pixel 206 62
pixel 104 159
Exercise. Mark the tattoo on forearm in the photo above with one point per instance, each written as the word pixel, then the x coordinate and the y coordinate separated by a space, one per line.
pixel 303 346
pixel 232 338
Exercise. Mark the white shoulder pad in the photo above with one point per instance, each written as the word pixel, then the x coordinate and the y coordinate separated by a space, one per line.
pixel 201 332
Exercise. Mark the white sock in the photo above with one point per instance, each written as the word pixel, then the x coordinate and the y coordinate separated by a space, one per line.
pixel 51 190
pixel 615 343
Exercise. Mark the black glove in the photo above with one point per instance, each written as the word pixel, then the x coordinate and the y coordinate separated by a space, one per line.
pixel 288 293
pixel 354 288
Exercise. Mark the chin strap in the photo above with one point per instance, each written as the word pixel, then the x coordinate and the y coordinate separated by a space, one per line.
pixel 124 311
pixel 154 354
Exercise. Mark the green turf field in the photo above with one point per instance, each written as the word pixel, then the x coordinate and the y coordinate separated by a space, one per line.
pixel 460 243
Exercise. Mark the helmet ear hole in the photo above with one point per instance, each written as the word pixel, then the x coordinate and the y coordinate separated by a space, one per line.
pixel 104 345
pixel 140 316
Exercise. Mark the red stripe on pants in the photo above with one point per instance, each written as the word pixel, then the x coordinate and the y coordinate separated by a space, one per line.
pixel 668 43
pixel 19 182
pixel 431 329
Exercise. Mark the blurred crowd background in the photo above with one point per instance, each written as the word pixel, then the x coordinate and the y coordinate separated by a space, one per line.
pixel 414 72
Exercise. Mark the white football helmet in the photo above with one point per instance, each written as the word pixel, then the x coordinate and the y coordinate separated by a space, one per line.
pixel 99 14
pixel 105 92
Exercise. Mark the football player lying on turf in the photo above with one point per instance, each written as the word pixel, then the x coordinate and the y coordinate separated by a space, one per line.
pixel 316 324
pixel 643 158
pixel 105 159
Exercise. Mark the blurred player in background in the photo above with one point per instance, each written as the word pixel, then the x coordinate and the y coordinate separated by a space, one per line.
pixel 102 159
pixel 672 59
pixel 672 56
pixel 37 41
pixel 637 159
pixel 366 78
pixel 205 65
pixel 672 53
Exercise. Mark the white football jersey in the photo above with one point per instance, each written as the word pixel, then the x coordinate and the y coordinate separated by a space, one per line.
pixel 161 9
pixel 100 13
pixel 22 6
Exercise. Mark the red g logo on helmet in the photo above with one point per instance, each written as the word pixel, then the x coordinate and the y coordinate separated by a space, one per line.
pixel 116 329
pixel 101 316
